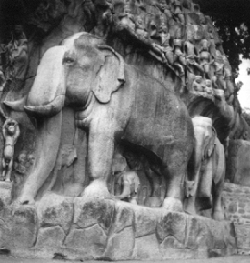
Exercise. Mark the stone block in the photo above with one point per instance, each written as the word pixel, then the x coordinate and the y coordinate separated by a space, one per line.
pixel 123 216
pixel 50 237
pixel 54 210
pixel 90 240
pixel 147 247
pixel 25 224
pixel 172 224
pixel 6 236
pixel 121 246
pixel 146 220
pixel 199 233
pixel 88 212
pixel 229 235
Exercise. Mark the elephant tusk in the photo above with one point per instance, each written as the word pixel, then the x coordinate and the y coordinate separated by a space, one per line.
pixel 48 110
pixel 17 105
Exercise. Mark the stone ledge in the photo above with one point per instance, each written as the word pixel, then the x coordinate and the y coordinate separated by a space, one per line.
pixel 87 229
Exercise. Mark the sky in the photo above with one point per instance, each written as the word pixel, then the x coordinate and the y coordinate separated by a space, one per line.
pixel 244 93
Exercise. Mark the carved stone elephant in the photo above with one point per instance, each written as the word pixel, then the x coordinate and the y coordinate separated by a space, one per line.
pixel 114 103
pixel 204 190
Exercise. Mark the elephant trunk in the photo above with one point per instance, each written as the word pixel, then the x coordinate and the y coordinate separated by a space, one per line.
pixel 46 97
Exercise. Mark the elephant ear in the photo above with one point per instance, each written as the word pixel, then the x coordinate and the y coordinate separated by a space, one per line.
pixel 110 76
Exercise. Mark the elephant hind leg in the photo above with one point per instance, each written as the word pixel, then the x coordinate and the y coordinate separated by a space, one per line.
pixel 175 187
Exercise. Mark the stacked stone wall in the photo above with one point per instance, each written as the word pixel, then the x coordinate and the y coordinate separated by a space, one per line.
pixel 237 210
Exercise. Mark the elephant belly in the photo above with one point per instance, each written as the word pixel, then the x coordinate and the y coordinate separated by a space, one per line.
pixel 159 120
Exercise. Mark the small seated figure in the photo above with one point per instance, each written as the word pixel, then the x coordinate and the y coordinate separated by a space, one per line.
pixel 165 50
pixel 129 182
pixel 11 133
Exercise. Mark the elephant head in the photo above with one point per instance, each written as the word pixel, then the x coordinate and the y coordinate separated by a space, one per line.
pixel 87 66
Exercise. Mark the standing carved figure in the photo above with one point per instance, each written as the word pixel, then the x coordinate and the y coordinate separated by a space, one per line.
pixel 11 133
pixel 17 60
pixel 204 190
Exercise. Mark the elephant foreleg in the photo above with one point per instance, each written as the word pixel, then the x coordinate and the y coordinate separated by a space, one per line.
pixel 100 154
pixel 47 145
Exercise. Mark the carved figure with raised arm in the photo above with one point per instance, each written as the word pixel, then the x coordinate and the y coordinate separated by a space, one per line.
pixel 11 133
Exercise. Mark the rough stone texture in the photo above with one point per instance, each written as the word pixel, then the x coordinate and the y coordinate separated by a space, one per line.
pixel 91 241
pixel 147 247
pixel 107 229
pixel 88 212
pixel 238 162
pixel 50 237
pixel 6 192
pixel 24 228
pixel 237 203
pixel 54 210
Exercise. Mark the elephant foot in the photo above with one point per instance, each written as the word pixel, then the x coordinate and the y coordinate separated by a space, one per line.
pixel 96 189
pixel 27 200
pixel 218 215
pixel 173 204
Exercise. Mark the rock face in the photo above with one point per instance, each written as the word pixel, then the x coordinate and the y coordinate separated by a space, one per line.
pixel 102 96
pixel 111 229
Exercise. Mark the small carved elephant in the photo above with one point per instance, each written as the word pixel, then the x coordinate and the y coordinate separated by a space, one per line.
pixel 204 189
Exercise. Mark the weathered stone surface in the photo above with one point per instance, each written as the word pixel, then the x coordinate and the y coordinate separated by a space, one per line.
pixel 88 212
pixel 54 210
pixel 6 192
pixel 230 237
pixel 24 229
pixel 147 247
pixel 199 233
pixel 172 224
pixel 121 245
pixel 50 237
pixel 91 241
pixel 238 162
pixel 146 220
pixel 6 236
pixel 123 216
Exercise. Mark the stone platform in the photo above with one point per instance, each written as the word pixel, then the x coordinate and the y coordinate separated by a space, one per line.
pixel 80 229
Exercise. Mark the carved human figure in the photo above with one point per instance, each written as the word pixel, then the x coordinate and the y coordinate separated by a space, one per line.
pixel 165 50
pixel 218 79
pixel 180 58
pixel 17 60
pixel 205 58
pixel 11 133
pixel 178 12
pixel 205 188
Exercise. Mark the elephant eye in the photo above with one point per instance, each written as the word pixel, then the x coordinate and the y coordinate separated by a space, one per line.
pixel 68 60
